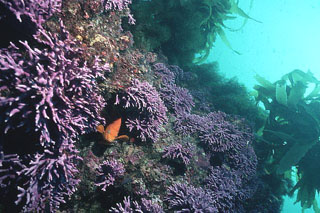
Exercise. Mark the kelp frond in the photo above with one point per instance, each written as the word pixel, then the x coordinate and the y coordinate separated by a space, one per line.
pixel 294 122
pixel 235 9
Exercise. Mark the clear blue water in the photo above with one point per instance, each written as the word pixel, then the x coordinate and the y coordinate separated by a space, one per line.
pixel 287 39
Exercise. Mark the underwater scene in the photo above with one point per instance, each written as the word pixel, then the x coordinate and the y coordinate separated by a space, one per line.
pixel 151 106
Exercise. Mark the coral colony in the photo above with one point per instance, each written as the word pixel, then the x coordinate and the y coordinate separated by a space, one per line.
pixel 54 95
pixel 108 172
pixel 149 111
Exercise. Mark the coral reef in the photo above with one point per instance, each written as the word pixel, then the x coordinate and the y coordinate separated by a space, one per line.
pixel 49 96
pixel 51 89
pixel 78 71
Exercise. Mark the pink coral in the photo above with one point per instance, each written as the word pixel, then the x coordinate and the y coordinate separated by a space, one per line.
pixel 116 4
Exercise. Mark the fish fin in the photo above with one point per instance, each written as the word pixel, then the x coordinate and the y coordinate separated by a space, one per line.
pixel 100 128
pixel 122 138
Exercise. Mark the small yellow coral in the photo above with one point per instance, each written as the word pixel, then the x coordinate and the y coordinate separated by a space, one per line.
pixel 98 38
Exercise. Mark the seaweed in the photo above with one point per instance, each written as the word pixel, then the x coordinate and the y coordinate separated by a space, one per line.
pixel 185 30
pixel 292 130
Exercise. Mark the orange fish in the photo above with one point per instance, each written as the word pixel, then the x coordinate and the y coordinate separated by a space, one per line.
pixel 111 132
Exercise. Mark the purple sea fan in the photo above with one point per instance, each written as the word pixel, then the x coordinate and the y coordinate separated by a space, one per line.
pixel 37 10
pixel 179 151
pixel 146 111
pixel 186 198
pixel 108 172
pixel 145 206
pixel 49 90
pixel 51 179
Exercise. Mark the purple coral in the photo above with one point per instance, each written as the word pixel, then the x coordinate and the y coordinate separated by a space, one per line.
pixel 179 151
pixel 50 89
pixel 201 100
pixel 37 10
pixel 189 124
pixel 10 166
pixel 187 198
pixel 108 172
pixel 148 113
pixel 215 130
pixel 221 135
pixel 146 206
pixel 52 96
pixel 116 4
pixel 119 5
pixel 244 161
pixel 225 184
pixel 180 75
pixel 176 98
pixel 230 188
pixel 51 179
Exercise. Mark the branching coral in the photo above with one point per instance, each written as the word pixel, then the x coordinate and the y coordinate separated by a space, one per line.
pixel 10 166
pixel 52 178
pixel 179 151
pixel 176 98
pixel 50 96
pixel 133 206
pixel 244 161
pixel 50 89
pixel 221 135
pixel 215 131
pixel 108 172
pixel 119 5
pixel 225 185
pixel 37 10
pixel 187 198
pixel 146 111
pixel 116 4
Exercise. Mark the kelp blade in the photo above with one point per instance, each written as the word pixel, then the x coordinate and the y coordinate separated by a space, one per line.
pixel 293 156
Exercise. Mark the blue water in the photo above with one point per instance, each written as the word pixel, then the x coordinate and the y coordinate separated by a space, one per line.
pixel 287 39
